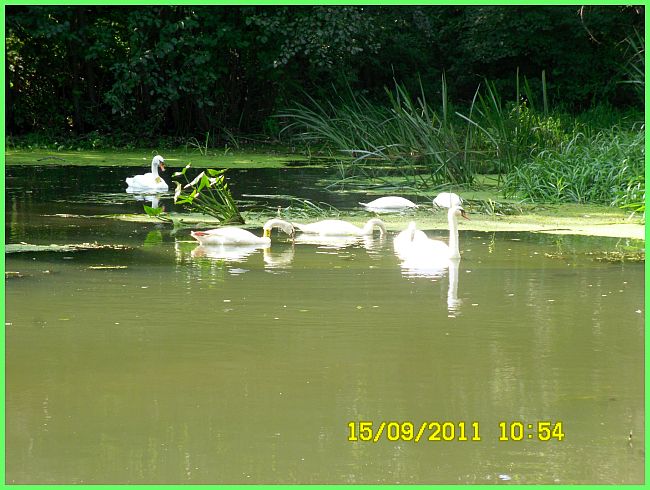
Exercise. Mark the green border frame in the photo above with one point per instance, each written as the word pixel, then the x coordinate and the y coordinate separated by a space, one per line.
pixel 298 2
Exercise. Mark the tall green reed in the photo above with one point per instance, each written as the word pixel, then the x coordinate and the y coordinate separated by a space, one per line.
pixel 511 132
pixel 408 136
pixel 537 153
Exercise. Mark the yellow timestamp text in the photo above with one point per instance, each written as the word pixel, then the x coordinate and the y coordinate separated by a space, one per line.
pixel 543 430
pixel 368 431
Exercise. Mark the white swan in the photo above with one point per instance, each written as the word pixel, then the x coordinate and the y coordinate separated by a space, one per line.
pixel 422 250
pixel 150 181
pixel 447 200
pixel 231 235
pixel 388 204
pixel 337 227
pixel 403 241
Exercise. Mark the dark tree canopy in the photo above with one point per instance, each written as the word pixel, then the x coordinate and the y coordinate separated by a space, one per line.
pixel 182 70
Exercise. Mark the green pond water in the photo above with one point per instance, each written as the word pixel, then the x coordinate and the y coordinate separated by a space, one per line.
pixel 165 362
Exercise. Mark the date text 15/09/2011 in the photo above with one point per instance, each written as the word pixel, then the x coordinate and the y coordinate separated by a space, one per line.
pixel 368 431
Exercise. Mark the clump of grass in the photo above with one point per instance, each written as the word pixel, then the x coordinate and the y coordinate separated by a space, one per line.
pixel 406 137
pixel 304 208
pixel 511 131
pixel 208 193
pixel 430 147
pixel 607 168
pixel 196 144
pixel 294 208
pixel 634 67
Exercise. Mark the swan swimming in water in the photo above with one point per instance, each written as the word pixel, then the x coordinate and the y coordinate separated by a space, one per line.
pixel 415 248
pixel 232 235
pixel 337 227
pixel 403 241
pixel 389 204
pixel 150 181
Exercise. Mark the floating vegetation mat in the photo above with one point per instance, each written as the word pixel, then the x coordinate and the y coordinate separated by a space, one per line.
pixel 27 247
pixel 495 208
pixel 632 256
pixel 117 198
pixel 600 256
pixel 20 275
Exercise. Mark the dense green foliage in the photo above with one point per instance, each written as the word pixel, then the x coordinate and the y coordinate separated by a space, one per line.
pixel 606 168
pixel 140 72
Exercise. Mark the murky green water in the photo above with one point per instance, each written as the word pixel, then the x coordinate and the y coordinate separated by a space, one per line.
pixel 219 366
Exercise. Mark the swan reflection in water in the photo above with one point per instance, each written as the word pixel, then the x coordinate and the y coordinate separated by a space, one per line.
pixel 153 198
pixel 424 257
pixel 436 271
pixel 339 242
pixel 241 253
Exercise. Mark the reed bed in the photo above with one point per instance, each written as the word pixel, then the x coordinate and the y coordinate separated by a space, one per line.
pixel 537 154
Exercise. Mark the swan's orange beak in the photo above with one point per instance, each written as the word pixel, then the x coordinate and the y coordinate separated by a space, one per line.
pixel 464 214
pixel 162 166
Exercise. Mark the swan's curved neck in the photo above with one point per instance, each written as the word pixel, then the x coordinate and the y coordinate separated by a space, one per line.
pixel 154 167
pixel 370 225
pixel 454 252
pixel 281 224
pixel 411 231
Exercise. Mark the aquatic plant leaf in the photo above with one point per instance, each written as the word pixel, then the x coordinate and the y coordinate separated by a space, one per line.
pixel 209 195
pixel 178 191
pixel 214 172
pixel 155 212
